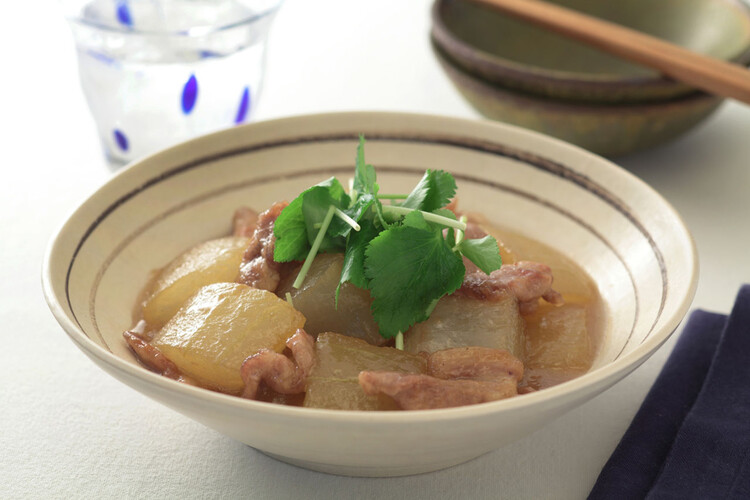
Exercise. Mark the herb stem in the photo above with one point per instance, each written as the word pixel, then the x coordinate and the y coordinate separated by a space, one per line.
pixel 460 234
pixel 428 216
pixel 379 213
pixel 393 196
pixel 400 341
pixel 315 246
pixel 339 213
pixel 353 194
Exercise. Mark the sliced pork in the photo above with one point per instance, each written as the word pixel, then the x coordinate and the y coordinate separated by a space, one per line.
pixel 424 392
pixel 277 371
pixel 258 269
pixel 527 280
pixel 477 363
pixel 153 358
pixel 456 377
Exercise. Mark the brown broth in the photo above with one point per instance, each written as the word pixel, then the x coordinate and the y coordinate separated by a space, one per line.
pixel 575 353
pixel 560 341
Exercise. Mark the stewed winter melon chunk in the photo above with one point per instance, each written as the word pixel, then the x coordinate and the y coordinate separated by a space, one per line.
pixel 316 299
pixel 220 326
pixel 460 321
pixel 214 261
pixel 558 338
pixel 333 383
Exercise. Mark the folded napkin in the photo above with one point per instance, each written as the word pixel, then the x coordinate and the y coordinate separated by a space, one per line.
pixel 691 436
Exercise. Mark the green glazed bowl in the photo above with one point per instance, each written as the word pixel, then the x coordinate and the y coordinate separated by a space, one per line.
pixel 516 54
pixel 606 129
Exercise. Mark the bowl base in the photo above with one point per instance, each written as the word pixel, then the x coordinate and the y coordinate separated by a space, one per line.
pixel 372 470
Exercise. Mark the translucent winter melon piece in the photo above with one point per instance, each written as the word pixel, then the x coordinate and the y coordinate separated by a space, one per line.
pixel 316 300
pixel 214 261
pixel 333 382
pixel 558 338
pixel 220 326
pixel 459 321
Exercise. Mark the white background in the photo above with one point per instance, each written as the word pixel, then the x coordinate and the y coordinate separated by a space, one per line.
pixel 68 430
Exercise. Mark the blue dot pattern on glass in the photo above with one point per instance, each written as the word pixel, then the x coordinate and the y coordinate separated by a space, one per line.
pixel 244 106
pixel 208 54
pixel 123 13
pixel 103 58
pixel 189 94
pixel 121 140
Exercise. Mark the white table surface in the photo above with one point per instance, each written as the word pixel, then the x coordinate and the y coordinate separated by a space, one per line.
pixel 68 430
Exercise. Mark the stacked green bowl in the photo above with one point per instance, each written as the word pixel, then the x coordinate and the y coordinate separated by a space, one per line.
pixel 512 71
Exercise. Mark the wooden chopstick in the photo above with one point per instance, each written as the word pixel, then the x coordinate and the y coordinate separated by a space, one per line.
pixel 705 73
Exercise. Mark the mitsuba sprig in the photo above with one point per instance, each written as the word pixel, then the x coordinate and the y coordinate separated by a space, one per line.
pixel 401 251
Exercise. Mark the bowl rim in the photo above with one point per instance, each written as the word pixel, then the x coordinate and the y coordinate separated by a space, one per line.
pixel 75 17
pixel 590 380
pixel 577 83
pixel 593 107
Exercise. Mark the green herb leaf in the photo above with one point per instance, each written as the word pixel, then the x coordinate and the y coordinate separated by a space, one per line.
pixel 358 211
pixel 407 268
pixel 416 219
pixel 291 234
pixel 353 269
pixel 483 252
pixel 364 175
pixel 434 191
pixel 407 262
pixel 450 237
pixel 365 182
pixel 315 204
pixel 296 227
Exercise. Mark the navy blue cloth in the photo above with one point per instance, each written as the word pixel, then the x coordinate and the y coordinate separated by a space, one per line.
pixel 691 436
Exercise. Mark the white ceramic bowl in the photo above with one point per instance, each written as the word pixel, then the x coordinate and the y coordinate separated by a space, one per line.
pixel 630 241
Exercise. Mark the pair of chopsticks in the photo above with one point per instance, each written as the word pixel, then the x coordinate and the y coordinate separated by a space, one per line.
pixel 702 72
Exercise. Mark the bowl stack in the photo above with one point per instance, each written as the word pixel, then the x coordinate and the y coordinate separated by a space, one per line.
pixel 513 71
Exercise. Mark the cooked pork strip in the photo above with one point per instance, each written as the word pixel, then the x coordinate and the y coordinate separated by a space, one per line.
pixel 476 363
pixel 277 371
pixel 457 377
pixel 528 281
pixel 244 222
pixel 258 269
pixel 153 358
pixel 424 392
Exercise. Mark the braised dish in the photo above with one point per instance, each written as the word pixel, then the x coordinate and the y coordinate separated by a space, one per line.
pixel 368 301
pixel 625 238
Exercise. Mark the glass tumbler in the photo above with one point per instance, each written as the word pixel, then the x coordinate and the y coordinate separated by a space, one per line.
pixel 157 72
